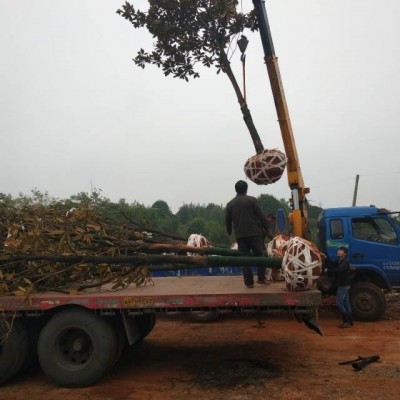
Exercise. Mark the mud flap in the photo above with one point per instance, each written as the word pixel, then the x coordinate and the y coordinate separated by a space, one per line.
pixel 309 321
pixel 132 329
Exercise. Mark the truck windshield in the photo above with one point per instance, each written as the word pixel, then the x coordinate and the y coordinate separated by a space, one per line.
pixel 395 218
pixel 374 229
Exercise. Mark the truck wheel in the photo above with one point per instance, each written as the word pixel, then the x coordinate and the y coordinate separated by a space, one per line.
pixel 204 316
pixel 367 301
pixel 13 348
pixel 76 347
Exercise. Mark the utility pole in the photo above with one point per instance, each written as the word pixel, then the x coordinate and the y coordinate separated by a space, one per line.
pixel 355 190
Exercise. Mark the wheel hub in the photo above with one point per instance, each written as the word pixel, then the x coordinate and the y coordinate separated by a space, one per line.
pixel 75 346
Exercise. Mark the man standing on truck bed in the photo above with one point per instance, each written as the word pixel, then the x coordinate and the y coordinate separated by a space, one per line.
pixel 249 226
pixel 342 273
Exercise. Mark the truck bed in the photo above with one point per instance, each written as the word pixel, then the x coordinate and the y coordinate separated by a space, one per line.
pixel 169 294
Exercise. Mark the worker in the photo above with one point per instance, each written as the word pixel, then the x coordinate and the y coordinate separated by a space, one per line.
pixel 250 227
pixel 342 274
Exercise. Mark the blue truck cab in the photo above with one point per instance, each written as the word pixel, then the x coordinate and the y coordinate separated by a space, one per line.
pixel 372 236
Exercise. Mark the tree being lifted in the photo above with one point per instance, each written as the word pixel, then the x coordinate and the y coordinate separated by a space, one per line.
pixel 189 33
pixel 205 32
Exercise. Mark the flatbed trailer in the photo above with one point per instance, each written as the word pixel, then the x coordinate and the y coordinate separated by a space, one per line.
pixel 79 337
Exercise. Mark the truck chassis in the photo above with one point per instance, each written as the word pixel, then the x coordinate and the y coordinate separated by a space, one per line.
pixel 79 337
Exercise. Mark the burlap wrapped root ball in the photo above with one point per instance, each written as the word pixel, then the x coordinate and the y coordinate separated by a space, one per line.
pixel 301 265
pixel 197 240
pixel 277 248
pixel 266 168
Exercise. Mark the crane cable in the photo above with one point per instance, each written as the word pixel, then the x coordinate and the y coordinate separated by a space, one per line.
pixel 242 43
pixel 242 46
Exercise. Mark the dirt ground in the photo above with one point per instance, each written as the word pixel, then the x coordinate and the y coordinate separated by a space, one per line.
pixel 243 357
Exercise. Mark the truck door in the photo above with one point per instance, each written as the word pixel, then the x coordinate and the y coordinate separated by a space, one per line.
pixel 374 241
pixel 332 234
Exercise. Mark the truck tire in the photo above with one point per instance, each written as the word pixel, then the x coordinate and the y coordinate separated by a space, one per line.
pixel 13 349
pixel 367 301
pixel 204 316
pixel 76 347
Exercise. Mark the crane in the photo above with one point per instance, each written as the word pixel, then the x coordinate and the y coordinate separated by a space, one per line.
pixel 298 217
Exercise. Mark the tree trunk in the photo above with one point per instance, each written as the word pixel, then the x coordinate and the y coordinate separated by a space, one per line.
pixel 242 102
pixel 131 245
pixel 153 261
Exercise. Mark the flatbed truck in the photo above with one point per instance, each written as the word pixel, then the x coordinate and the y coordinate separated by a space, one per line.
pixel 77 338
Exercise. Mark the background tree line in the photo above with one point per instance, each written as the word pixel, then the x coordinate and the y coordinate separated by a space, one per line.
pixel 208 220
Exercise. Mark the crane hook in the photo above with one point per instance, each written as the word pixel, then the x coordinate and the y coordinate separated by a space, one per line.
pixel 242 43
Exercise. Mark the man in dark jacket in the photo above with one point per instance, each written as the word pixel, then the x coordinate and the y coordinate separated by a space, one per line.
pixel 342 273
pixel 249 226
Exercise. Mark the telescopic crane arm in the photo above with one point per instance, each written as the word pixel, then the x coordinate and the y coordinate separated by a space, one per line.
pixel 299 215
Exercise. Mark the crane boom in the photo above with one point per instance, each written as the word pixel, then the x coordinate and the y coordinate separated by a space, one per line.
pixel 299 215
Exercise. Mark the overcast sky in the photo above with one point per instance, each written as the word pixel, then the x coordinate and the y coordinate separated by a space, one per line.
pixel 77 114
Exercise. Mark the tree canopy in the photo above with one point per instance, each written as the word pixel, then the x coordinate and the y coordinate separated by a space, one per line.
pixel 188 32
pixel 192 33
